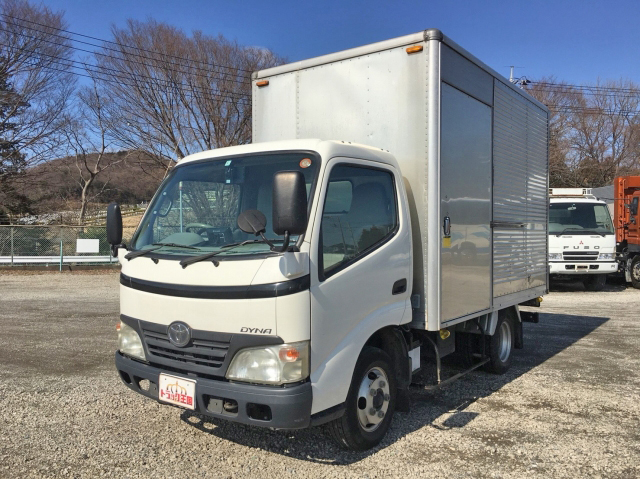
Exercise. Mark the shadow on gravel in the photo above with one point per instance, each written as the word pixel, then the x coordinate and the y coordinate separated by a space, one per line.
pixel 553 334
pixel 613 285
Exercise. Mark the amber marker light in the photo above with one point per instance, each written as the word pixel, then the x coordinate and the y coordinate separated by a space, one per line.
pixel 262 83
pixel 118 326
pixel 289 354
pixel 305 163
pixel 414 49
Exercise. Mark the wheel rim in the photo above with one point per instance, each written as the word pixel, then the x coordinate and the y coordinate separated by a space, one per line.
pixel 374 395
pixel 505 341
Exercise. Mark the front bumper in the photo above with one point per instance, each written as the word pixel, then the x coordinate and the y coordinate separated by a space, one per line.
pixel 290 407
pixel 574 267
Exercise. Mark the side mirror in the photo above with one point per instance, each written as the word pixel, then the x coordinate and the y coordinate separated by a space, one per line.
pixel 252 222
pixel 114 227
pixel 289 203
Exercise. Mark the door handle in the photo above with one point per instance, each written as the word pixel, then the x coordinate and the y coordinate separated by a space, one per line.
pixel 447 226
pixel 399 286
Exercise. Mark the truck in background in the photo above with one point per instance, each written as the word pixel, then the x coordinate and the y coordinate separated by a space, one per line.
pixel 297 281
pixel 582 243
pixel 626 193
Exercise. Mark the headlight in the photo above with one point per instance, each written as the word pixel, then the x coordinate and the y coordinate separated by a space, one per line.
pixel 606 256
pixel 284 363
pixel 129 342
pixel 555 256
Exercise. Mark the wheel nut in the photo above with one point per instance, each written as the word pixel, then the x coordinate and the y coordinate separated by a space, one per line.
pixel 372 412
pixel 373 392
pixel 382 384
pixel 380 414
pixel 387 397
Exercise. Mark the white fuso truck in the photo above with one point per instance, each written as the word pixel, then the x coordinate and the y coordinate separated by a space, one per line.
pixel 582 241
pixel 299 281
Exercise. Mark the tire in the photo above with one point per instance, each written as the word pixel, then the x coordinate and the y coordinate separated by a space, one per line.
pixel 466 347
pixel 500 345
pixel 595 282
pixel 358 429
pixel 634 272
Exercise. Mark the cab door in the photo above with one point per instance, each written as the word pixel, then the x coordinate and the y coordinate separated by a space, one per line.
pixel 361 270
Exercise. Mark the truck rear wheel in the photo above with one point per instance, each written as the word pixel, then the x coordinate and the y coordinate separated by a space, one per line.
pixel 500 345
pixel 370 403
pixel 595 282
pixel 634 271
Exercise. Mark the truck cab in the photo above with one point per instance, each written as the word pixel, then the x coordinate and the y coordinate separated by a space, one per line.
pixel 581 237
pixel 231 310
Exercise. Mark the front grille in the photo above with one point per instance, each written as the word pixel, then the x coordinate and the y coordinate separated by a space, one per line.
pixel 204 355
pixel 580 255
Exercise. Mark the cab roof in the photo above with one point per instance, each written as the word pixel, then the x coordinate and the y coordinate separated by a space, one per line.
pixel 326 148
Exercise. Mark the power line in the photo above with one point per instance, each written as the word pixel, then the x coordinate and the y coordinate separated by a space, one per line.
pixel 115 43
pixel 70 63
pixel 120 82
pixel 231 76
pixel 588 87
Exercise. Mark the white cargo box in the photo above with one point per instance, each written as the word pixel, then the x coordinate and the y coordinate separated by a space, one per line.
pixel 472 148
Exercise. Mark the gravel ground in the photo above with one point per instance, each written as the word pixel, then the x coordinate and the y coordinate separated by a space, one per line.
pixel 569 406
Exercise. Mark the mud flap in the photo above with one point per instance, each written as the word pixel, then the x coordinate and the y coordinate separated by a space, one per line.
pixel 519 335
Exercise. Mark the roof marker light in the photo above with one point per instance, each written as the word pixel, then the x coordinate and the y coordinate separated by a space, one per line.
pixel 262 83
pixel 414 49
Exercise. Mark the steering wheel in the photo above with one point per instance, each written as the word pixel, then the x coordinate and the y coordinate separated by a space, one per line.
pixel 199 227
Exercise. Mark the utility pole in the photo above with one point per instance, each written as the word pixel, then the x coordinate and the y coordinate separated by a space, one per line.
pixel 520 82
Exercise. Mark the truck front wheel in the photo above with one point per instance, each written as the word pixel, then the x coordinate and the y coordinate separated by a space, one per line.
pixel 634 271
pixel 595 282
pixel 370 403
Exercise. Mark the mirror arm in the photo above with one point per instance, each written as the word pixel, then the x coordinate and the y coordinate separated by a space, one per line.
pixel 115 247
pixel 285 244
pixel 264 238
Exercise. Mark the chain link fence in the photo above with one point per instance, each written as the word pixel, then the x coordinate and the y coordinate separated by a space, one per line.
pixel 48 244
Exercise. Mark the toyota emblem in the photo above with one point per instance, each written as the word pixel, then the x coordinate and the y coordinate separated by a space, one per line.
pixel 179 334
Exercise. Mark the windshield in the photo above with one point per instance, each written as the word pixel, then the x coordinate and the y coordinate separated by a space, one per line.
pixel 579 218
pixel 199 203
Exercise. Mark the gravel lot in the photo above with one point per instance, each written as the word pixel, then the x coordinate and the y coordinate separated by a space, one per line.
pixel 569 406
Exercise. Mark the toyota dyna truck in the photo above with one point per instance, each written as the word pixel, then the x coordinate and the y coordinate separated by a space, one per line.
pixel 391 211
pixel 582 243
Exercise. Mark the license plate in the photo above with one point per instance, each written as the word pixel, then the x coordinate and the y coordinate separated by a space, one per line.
pixel 178 391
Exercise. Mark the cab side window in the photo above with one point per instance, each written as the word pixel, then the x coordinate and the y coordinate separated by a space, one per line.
pixel 634 207
pixel 359 215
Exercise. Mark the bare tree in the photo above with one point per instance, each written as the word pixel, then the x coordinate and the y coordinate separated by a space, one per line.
pixel 594 131
pixel 559 100
pixel 89 139
pixel 34 66
pixel 174 95
pixel 605 133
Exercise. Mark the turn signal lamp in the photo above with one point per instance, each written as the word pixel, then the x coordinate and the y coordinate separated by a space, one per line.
pixel 414 49
pixel 289 354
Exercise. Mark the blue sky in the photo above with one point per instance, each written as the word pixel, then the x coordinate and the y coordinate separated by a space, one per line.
pixel 576 41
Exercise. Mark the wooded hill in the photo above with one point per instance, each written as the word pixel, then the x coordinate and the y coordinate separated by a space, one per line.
pixel 55 186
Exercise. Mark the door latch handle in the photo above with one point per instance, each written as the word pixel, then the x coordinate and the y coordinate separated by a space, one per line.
pixel 399 286
pixel 447 226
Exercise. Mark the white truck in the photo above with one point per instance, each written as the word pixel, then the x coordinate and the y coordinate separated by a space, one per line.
pixel 582 241
pixel 296 281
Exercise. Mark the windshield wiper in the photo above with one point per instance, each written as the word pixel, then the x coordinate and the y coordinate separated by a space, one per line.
pixel 579 229
pixel 223 249
pixel 142 252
